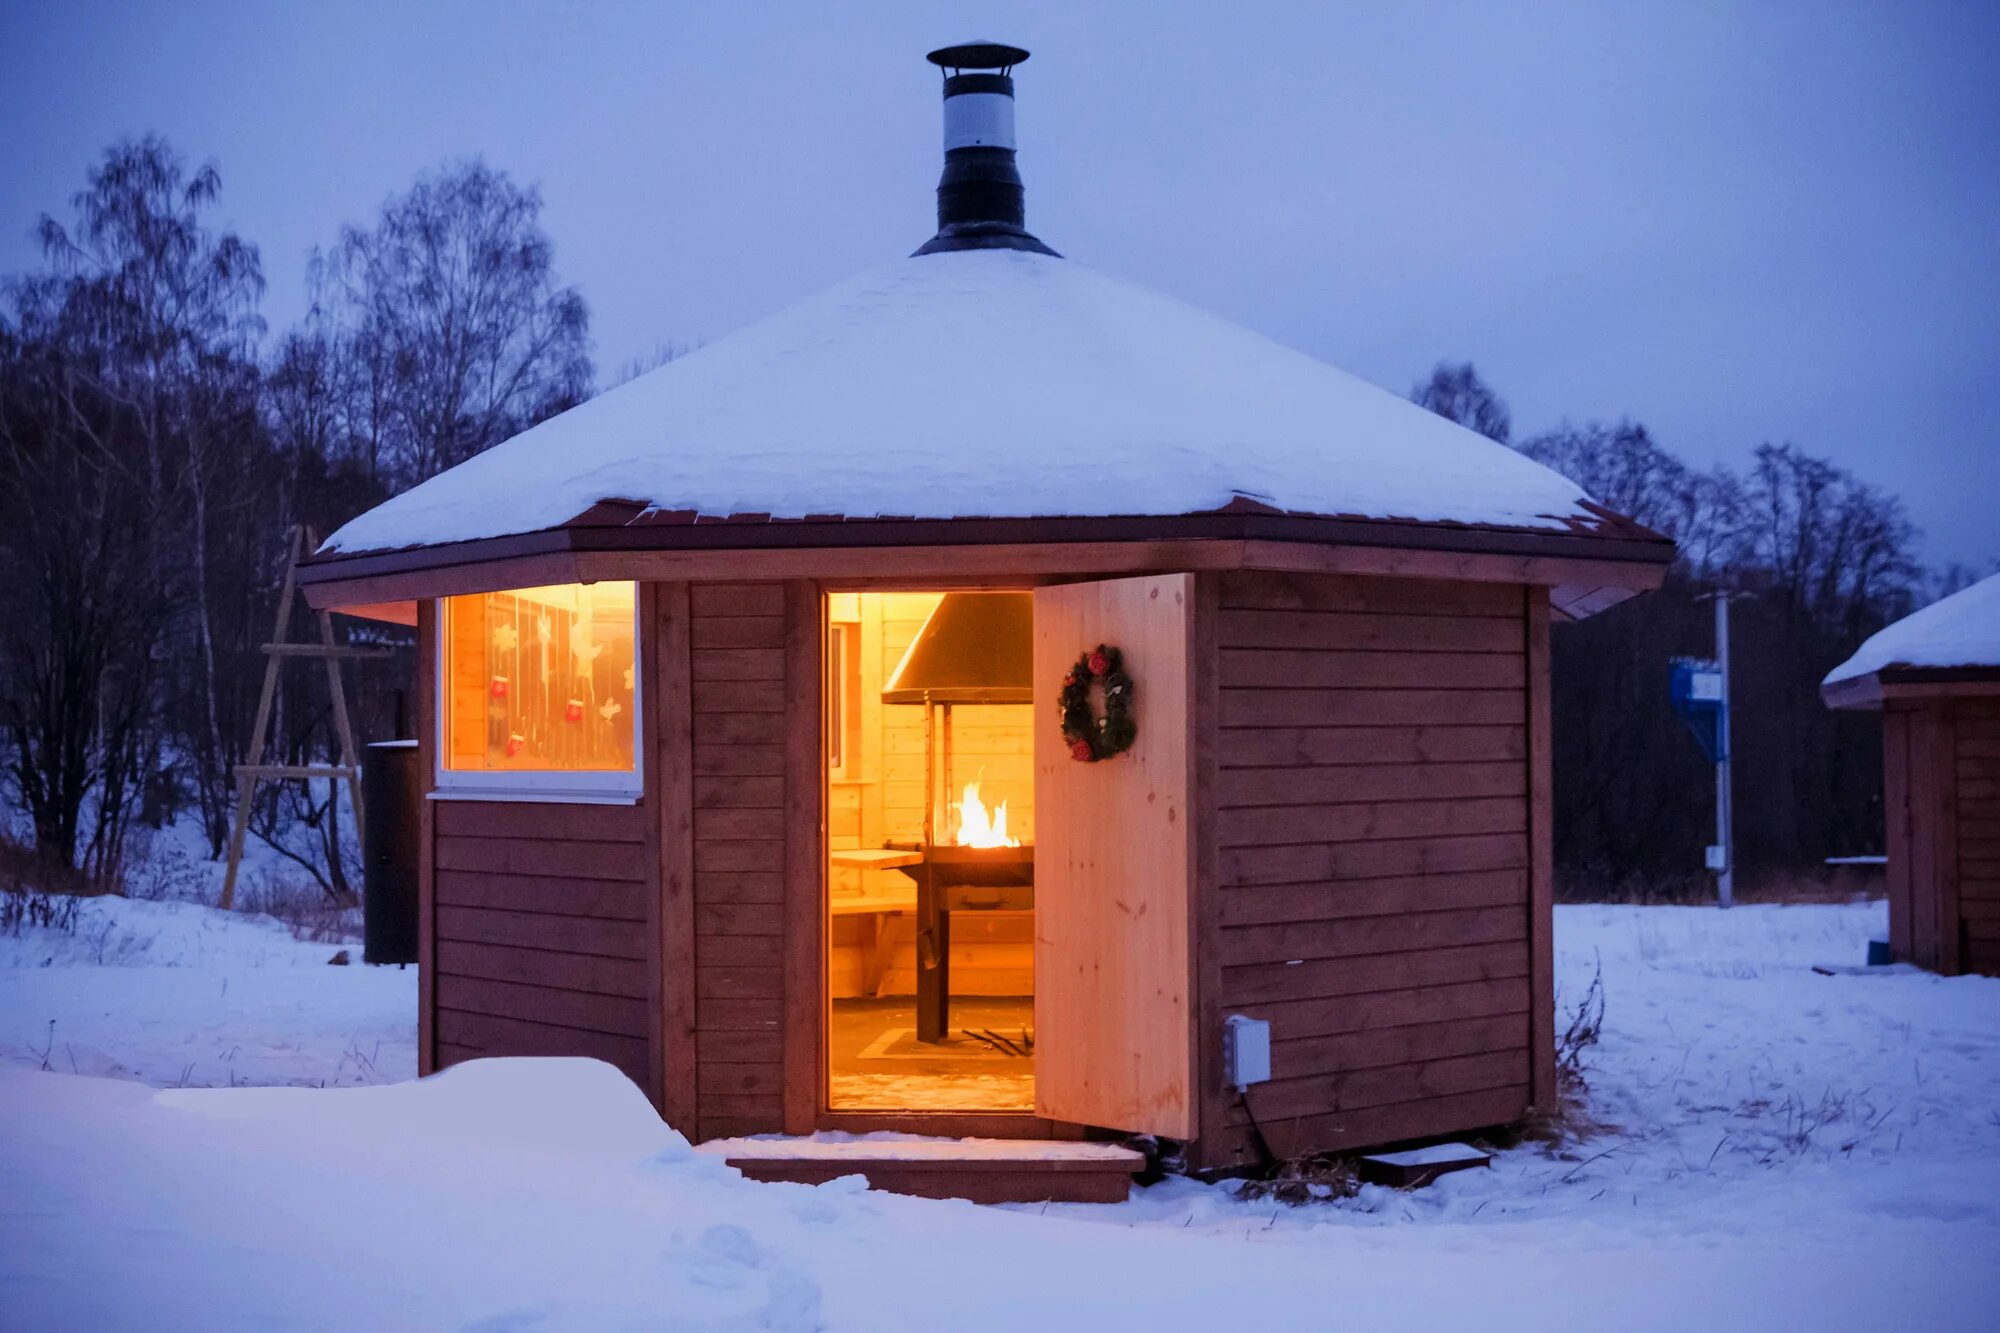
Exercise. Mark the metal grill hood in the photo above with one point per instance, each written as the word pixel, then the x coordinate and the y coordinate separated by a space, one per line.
pixel 976 648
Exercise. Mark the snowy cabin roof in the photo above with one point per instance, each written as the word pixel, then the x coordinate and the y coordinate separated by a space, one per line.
pixel 985 383
pixel 1962 630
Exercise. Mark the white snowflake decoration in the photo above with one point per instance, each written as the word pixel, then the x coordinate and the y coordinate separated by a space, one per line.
pixel 581 648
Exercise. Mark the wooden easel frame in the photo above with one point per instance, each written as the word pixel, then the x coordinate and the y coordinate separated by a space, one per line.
pixel 277 652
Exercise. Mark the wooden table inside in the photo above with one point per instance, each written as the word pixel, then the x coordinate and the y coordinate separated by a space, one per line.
pixel 882 904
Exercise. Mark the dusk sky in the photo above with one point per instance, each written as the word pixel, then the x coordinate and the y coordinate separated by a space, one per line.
pixel 1737 224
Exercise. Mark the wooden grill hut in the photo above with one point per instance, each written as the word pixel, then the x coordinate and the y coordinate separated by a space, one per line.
pixel 677 812
pixel 1935 678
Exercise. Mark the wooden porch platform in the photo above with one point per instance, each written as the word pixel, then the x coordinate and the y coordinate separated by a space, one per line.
pixel 981 1170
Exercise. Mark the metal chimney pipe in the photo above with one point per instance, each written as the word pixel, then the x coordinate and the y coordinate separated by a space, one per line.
pixel 979 196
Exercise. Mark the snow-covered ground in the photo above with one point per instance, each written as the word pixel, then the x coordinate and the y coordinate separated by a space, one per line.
pixel 1774 1148
pixel 180 995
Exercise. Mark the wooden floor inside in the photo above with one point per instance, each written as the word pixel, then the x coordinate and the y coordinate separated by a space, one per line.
pixel 875 1062
pixel 981 1170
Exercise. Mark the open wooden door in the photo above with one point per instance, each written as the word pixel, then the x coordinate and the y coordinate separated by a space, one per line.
pixel 1114 1040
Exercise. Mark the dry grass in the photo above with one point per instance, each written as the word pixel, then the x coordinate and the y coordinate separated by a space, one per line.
pixel 1584 1030
pixel 1313 1178
pixel 305 909
pixel 22 870
pixel 26 909
pixel 1820 884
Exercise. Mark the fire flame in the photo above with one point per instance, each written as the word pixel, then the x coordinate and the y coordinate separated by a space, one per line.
pixel 979 827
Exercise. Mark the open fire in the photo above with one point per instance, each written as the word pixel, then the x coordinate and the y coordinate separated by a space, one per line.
pixel 978 826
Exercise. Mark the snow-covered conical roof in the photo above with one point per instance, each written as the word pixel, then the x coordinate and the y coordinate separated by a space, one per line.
pixel 1962 630
pixel 985 383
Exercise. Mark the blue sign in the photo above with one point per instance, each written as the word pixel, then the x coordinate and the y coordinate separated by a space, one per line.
pixel 1694 686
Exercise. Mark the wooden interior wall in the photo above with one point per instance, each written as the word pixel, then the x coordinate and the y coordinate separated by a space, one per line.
pixel 468 653
pixel 881 796
pixel 1977 810
pixel 1373 865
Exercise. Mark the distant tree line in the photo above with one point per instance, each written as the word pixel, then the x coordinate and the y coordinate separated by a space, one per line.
pixel 1819 559
pixel 156 446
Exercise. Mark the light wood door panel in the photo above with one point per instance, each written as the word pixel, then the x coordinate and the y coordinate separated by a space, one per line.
pixel 1114 1043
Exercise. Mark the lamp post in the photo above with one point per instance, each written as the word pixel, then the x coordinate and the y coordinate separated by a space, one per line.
pixel 1725 847
pixel 1722 854
pixel 1699 691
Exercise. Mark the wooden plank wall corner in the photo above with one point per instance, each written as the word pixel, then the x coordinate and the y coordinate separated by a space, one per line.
pixel 1918 755
pixel 654 948
pixel 1543 1092
pixel 426 714
pixel 671 784
pixel 737 650
pixel 805 859
pixel 1976 812
pixel 1951 926
pixel 1214 1099
pixel 1896 825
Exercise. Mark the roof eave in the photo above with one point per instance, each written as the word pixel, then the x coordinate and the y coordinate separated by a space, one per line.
pixel 1891 683
pixel 1589 570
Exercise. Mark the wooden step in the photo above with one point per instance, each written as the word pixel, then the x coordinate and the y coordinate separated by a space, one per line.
pixel 981 1170
pixel 330 649
pixel 296 771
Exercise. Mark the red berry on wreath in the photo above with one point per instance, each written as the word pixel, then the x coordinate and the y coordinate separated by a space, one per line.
pixel 1080 751
pixel 1099 664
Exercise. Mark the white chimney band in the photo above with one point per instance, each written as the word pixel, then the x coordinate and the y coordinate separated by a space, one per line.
pixel 978 120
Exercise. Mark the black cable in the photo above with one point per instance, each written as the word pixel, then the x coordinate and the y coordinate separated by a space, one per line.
pixel 1269 1159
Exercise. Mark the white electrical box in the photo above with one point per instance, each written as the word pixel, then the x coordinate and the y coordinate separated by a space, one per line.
pixel 1713 857
pixel 1246 1050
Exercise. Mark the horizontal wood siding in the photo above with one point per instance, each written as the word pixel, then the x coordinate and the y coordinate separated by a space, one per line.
pixel 1941 796
pixel 540 932
pixel 1373 856
pixel 737 642
pixel 1976 815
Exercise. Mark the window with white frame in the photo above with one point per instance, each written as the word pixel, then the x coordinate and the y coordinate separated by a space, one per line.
pixel 539 692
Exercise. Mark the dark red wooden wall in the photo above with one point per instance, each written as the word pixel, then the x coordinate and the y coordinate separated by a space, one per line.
pixel 1373 795
pixel 1372 873
pixel 1941 760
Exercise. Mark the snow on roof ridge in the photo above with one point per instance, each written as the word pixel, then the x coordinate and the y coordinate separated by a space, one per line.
pixel 1962 630
pixel 983 383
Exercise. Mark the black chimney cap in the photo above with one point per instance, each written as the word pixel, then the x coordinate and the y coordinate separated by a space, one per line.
pixel 977 55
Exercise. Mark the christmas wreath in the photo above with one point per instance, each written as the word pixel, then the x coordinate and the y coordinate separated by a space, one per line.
pixel 1091 738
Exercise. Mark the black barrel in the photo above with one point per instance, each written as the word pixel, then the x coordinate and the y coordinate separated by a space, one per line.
pixel 392 787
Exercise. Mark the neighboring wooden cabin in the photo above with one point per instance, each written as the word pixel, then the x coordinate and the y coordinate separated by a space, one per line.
pixel 1935 678
pixel 732 675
